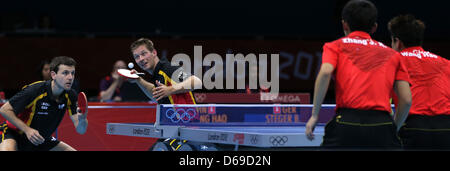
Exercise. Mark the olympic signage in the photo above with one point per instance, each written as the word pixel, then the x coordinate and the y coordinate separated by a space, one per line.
pixel 278 140
pixel 180 114
pixel 288 98
pixel 236 115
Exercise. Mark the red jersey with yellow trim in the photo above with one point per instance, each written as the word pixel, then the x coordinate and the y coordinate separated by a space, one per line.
pixel 169 75
pixel 365 71
pixel 430 81
pixel 37 108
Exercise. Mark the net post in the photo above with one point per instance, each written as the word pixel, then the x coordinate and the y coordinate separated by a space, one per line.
pixel 158 113
pixel 236 146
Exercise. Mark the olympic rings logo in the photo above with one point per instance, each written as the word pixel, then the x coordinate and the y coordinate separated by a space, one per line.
pixel 180 114
pixel 278 140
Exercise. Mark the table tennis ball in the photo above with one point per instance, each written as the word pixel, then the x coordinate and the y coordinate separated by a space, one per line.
pixel 130 65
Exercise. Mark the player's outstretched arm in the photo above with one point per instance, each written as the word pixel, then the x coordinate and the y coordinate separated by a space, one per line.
pixel 145 86
pixel 187 85
pixel 320 90
pixel 403 92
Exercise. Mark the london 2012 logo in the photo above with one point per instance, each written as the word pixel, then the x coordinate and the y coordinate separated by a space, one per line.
pixel 180 114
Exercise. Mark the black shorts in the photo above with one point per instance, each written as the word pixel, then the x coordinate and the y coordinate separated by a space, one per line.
pixel 361 129
pixel 426 132
pixel 23 144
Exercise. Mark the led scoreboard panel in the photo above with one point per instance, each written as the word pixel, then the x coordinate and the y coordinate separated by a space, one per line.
pixel 220 115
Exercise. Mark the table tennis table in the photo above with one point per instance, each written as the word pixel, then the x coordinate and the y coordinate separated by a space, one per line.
pixel 206 127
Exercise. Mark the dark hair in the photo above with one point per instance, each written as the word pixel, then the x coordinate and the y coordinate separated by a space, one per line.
pixel 408 29
pixel 142 41
pixel 40 67
pixel 360 15
pixel 64 60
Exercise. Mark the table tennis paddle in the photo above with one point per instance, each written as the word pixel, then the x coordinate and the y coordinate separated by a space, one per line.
pixel 82 102
pixel 127 73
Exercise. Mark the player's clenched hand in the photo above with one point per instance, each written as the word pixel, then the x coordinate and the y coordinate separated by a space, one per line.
pixel 310 126
pixel 131 80
pixel 34 136
pixel 162 91
pixel 82 115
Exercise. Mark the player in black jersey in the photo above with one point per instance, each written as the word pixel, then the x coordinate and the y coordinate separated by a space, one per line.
pixel 167 84
pixel 35 113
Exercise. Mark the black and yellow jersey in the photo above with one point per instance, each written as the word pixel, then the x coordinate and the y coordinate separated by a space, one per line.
pixel 36 107
pixel 164 72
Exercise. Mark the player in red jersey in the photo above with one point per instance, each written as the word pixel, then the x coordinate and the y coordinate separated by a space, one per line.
pixel 366 71
pixel 428 123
